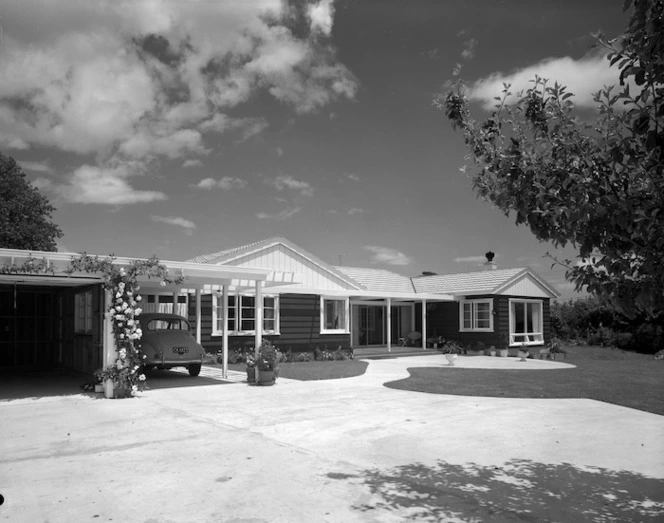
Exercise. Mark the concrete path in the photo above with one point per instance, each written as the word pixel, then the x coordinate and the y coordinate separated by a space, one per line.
pixel 337 450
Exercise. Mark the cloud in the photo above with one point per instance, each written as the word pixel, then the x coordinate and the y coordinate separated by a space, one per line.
pixel 583 77
pixel 280 151
pixel 470 259
pixel 388 256
pixel 226 183
pixel 282 215
pixel 101 185
pixel 355 210
pixel 191 163
pixel 469 47
pixel 282 183
pixel 188 225
pixel 138 81
pixel 352 177
pixel 321 17
pixel 42 167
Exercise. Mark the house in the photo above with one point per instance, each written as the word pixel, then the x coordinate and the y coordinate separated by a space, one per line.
pixel 329 306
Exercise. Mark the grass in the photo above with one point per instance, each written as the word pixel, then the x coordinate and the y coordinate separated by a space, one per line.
pixel 611 375
pixel 315 370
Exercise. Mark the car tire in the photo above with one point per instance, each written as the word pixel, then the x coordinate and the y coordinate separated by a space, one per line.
pixel 194 369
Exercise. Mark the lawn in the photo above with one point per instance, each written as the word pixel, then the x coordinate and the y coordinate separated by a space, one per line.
pixel 614 376
pixel 315 370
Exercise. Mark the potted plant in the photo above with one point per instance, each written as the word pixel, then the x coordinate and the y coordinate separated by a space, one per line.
pixel 451 350
pixel 99 380
pixel 267 362
pixel 504 348
pixel 523 351
pixel 492 351
pixel 251 368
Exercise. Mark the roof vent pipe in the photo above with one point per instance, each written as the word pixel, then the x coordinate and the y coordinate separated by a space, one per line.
pixel 490 265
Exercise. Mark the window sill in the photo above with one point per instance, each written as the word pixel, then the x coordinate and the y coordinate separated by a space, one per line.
pixel 335 331
pixel 475 330
pixel 245 333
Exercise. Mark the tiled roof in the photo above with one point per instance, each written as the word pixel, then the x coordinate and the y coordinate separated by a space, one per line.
pixel 378 279
pixel 466 282
pixel 221 256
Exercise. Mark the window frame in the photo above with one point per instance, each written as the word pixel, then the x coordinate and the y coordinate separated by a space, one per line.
pixel 473 315
pixel 83 303
pixel 237 308
pixel 538 336
pixel 346 308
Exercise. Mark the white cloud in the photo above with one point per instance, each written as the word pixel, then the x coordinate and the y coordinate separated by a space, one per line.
pixel 280 151
pixel 102 185
pixel 352 177
pixel 388 256
pixel 282 215
pixel 321 16
pixel 174 220
pixel 469 47
pixel 226 183
pixel 127 80
pixel 288 182
pixel 191 163
pixel 583 77
pixel 41 167
pixel 356 210
pixel 470 259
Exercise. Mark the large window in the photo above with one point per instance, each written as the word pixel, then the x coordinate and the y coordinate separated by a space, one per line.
pixel 476 315
pixel 83 306
pixel 333 315
pixel 242 314
pixel 526 322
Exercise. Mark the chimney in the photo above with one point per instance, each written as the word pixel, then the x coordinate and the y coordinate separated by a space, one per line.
pixel 490 265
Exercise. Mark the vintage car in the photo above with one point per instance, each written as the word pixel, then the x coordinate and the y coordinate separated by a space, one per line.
pixel 167 342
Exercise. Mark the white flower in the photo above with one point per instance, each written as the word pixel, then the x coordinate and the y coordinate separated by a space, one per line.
pixel 121 285
pixel 121 336
pixel 130 322
pixel 124 305
pixel 129 293
pixel 134 388
pixel 119 364
pixel 138 298
pixel 142 377
pixel 118 294
pixel 136 287
pixel 118 308
pixel 137 311
pixel 163 284
pixel 122 271
pixel 139 332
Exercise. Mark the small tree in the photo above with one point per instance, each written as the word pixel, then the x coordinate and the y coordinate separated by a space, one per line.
pixel 25 214
pixel 598 187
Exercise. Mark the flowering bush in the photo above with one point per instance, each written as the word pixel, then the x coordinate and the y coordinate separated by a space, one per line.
pixel 124 311
pixel 268 357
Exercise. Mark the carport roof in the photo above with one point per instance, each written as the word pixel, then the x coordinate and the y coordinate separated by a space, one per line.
pixel 196 274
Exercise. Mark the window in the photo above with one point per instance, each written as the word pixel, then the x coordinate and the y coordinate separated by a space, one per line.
pixel 168 324
pixel 526 322
pixel 164 303
pixel 83 307
pixel 476 315
pixel 333 315
pixel 242 314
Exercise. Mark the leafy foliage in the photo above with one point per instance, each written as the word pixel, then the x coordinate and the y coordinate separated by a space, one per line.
pixel 25 214
pixel 597 187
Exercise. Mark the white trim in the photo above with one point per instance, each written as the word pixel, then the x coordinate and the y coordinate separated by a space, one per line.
pixel 473 319
pixel 346 327
pixel 538 335
pixel 238 313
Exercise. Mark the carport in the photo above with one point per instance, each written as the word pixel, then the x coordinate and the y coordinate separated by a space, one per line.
pixel 52 320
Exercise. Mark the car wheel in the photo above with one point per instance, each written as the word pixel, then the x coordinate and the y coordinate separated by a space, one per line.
pixel 194 369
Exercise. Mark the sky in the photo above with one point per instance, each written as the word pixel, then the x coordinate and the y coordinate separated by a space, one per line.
pixel 183 127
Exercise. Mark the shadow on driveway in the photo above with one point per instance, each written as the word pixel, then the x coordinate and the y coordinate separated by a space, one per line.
pixel 62 382
pixel 520 490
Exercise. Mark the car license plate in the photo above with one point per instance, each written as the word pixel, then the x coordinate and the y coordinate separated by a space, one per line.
pixel 180 350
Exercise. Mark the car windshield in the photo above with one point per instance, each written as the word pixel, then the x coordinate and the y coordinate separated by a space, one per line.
pixel 168 324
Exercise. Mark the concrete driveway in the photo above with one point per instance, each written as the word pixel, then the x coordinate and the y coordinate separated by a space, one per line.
pixel 339 451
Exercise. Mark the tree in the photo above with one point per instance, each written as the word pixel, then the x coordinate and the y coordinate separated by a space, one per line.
pixel 597 187
pixel 25 214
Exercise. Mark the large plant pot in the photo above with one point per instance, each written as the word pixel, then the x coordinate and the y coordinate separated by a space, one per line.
pixel 523 354
pixel 504 353
pixel 251 374
pixel 451 359
pixel 492 353
pixel 108 389
pixel 266 377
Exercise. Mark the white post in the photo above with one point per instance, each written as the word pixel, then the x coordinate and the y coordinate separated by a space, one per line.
pixel 109 349
pixel 176 293
pixel 424 324
pixel 198 315
pixel 224 337
pixel 389 324
pixel 258 306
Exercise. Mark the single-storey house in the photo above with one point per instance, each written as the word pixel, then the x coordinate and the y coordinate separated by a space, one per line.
pixel 270 289
pixel 329 306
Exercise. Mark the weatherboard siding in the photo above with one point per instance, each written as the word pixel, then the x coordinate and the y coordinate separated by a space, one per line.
pixel 299 324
